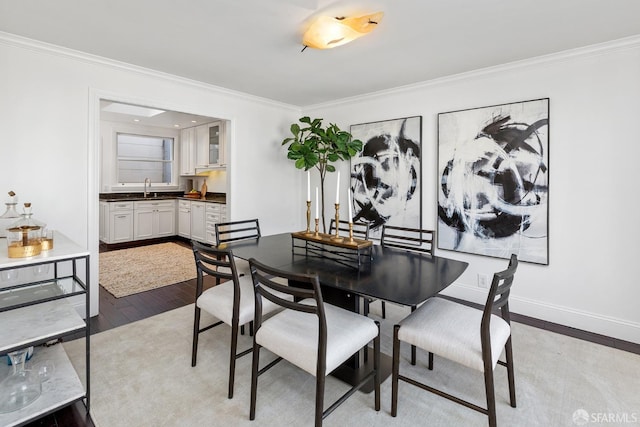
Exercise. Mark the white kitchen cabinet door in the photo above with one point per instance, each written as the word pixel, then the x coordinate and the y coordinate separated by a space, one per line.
pixel 103 229
pixel 165 219
pixel 198 221
pixel 202 145
pixel 143 224
pixel 184 218
pixel 120 227
pixel 188 151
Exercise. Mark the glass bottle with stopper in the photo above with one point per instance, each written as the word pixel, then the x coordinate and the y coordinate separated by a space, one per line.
pixel 10 214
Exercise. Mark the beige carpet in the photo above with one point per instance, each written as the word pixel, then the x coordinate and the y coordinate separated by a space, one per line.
pixel 130 271
pixel 141 375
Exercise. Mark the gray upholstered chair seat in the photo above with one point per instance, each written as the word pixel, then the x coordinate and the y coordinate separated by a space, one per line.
pixel 293 335
pixel 453 332
pixel 216 301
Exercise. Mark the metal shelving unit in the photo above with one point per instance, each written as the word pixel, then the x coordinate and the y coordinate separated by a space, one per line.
pixel 36 307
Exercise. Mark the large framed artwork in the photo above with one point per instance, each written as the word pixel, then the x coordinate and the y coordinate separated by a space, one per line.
pixel 493 169
pixel 386 177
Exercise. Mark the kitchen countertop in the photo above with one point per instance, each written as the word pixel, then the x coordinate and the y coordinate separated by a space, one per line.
pixel 139 197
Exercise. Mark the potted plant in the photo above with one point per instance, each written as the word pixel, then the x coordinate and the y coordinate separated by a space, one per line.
pixel 313 145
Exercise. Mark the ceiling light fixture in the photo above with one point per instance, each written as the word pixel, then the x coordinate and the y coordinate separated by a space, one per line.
pixel 327 32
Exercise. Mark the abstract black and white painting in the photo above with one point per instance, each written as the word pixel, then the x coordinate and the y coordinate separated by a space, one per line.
pixel 493 180
pixel 386 175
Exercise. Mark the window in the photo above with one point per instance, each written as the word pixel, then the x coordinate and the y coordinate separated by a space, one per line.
pixel 141 156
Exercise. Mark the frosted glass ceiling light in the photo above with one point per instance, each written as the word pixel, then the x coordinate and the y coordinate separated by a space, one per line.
pixel 327 32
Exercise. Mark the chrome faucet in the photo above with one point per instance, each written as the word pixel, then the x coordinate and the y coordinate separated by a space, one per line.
pixel 147 181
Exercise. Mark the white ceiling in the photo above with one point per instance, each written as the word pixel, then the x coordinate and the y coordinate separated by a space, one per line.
pixel 163 119
pixel 254 46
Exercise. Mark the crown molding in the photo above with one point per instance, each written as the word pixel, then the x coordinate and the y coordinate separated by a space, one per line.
pixel 626 43
pixel 48 48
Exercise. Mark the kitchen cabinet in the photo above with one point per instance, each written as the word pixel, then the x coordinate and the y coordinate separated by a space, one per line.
pixel 153 219
pixel 210 147
pixel 37 311
pixel 116 222
pixel 198 217
pixel 103 226
pixel 215 213
pixel 184 218
pixel 202 147
pixel 188 151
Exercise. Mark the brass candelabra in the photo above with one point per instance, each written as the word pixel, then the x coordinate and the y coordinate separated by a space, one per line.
pixel 308 232
pixel 337 237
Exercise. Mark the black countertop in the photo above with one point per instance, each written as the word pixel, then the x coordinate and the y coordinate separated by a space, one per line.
pixel 137 197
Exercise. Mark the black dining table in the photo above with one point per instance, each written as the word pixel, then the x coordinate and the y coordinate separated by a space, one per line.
pixel 394 275
pixel 391 274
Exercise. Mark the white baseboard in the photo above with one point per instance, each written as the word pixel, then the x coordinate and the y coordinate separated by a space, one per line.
pixel 596 323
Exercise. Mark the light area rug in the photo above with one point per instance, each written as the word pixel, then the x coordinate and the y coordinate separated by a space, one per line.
pixel 141 375
pixel 130 271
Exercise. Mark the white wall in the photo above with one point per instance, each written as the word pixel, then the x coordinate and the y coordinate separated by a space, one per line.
pixel 50 119
pixel 591 280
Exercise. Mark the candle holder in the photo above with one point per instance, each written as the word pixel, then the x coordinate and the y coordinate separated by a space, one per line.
pixel 337 237
pixel 316 234
pixel 308 232
pixel 351 241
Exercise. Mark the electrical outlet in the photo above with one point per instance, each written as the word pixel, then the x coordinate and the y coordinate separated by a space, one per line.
pixel 483 281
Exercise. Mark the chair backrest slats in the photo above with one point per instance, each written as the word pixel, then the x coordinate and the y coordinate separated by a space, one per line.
pixel 499 295
pixel 411 239
pixel 237 230
pixel 360 229
pixel 265 286
pixel 215 262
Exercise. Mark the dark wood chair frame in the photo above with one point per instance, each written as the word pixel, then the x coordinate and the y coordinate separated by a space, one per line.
pixel 413 239
pixel 234 231
pixel 237 230
pixel 498 298
pixel 209 260
pixel 264 285
pixel 360 229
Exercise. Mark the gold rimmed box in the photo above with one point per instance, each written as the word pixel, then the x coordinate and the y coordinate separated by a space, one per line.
pixel 22 249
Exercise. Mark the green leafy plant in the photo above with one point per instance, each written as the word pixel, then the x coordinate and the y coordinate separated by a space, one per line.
pixel 313 145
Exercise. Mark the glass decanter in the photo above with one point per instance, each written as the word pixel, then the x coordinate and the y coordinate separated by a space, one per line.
pixel 10 215
pixel 20 388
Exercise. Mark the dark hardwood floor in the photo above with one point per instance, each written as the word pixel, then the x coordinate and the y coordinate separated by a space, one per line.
pixel 116 312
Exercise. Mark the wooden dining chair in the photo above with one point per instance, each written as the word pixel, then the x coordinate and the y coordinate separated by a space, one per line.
pixel 410 239
pixel 230 300
pixel 238 230
pixel 465 335
pixel 360 229
pixel 310 334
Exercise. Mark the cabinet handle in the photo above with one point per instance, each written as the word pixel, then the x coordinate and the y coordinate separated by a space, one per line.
pixel 121 216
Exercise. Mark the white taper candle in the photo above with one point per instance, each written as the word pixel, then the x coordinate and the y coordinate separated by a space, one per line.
pixel 308 186
pixel 349 202
pixel 317 203
pixel 338 189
